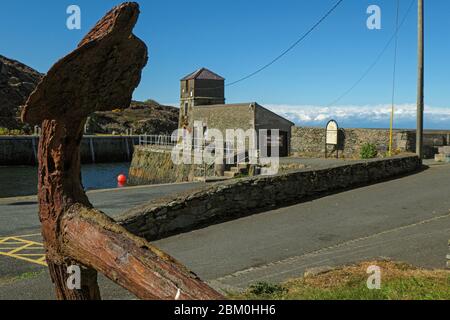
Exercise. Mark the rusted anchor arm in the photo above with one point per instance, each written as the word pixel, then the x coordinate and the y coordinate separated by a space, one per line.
pixel 100 74
pixel 96 240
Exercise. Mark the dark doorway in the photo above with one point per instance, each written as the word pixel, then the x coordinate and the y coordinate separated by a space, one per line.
pixel 281 143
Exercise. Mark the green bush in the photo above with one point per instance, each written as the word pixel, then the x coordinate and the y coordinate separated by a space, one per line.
pixel 265 288
pixel 8 132
pixel 368 151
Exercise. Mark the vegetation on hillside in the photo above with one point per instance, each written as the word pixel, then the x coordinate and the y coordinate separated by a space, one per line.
pixel 148 117
pixel 10 132
pixel 17 81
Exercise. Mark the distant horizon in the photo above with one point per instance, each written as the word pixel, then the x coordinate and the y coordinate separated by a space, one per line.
pixel 313 75
pixel 436 118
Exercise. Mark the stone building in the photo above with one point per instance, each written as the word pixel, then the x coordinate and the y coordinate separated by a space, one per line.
pixel 203 105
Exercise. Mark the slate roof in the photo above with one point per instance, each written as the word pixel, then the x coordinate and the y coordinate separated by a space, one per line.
pixel 247 104
pixel 203 74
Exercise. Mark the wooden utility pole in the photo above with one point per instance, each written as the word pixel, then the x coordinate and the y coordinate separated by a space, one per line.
pixel 420 82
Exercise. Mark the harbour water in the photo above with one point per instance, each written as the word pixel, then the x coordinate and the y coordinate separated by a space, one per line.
pixel 22 180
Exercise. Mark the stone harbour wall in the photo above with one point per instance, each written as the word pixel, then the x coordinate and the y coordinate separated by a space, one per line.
pixel 154 165
pixel 240 197
pixel 22 150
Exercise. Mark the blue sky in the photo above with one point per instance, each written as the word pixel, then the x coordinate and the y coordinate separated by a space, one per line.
pixel 236 37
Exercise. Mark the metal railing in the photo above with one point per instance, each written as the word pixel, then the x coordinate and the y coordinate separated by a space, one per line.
pixel 156 140
pixel 229 148
pixel 196 143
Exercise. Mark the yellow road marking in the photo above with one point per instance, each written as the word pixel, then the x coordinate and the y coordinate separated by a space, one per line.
pixel 23 236
pixel 31 255
pixel 20 248
pixel 23 245
pixel 30 235
pixel 26 259
pixel 18 242
pixel 27 241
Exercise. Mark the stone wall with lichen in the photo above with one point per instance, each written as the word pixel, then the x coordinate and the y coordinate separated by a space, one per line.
pixel 231 117
pixel 154 165
pixel 224 201
pixel 310 141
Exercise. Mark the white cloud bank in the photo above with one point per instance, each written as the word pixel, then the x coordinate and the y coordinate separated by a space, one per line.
pixel 367 116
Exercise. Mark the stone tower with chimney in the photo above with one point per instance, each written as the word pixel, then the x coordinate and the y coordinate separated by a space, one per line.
pixel 202 87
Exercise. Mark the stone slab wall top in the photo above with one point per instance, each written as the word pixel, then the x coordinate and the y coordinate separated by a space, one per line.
pixel 224 201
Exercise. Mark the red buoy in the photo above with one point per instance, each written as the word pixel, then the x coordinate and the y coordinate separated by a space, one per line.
pixel 122 179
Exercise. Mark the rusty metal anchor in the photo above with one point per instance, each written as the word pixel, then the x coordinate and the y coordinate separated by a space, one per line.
pixel 99 75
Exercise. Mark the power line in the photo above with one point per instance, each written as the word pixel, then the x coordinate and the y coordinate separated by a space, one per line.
pixel 391 124
pixel 296 43
pixel 369 69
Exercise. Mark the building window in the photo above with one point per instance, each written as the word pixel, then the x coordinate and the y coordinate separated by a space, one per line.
pixel 186 106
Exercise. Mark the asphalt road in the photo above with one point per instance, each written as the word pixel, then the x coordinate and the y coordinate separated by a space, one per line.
pixel 406 219
pixel 20 215
pixel 21 279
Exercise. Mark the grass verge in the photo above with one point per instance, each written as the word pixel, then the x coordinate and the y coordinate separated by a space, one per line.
pixel 399 281
pixel 21 277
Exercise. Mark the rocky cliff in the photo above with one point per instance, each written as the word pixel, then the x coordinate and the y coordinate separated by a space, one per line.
pixel 147 117
pixel 17 81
